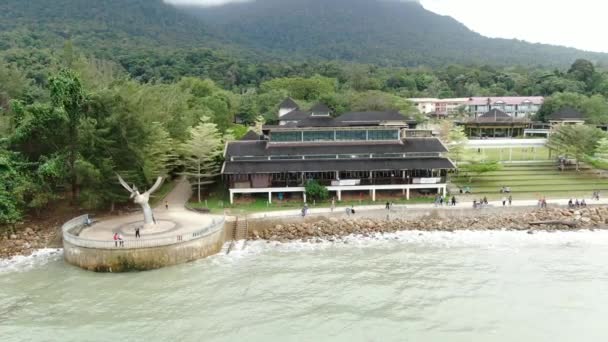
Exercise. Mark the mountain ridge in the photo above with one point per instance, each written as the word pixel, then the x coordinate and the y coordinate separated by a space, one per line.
pixel 390 32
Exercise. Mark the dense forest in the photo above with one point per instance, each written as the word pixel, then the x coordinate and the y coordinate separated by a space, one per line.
pixel 383 32
pixel 81 100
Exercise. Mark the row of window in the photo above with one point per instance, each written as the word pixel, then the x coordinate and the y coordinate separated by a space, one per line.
pixel 353 135
pixel 341 156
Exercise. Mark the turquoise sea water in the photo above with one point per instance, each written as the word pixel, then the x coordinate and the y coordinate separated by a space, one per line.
pixel 464 286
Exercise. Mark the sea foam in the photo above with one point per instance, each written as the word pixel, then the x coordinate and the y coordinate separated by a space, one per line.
pixel 490 239
pixel 22 263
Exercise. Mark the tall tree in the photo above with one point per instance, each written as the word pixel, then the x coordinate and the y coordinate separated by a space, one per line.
pixel 201 153
pixel 68 95
pixel 576 141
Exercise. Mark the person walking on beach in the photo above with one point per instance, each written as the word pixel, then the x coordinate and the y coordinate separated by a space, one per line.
pixel 388 205
pixel 347 210
pixel 120 239
pixel 352 209
pixel 510 200
pixel 115 237
pixel 504 201
pixel 485 200
pixel 137 236
pixel 453 201
pixel 167 205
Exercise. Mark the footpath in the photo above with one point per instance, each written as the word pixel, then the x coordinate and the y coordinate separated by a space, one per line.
pixel 378 209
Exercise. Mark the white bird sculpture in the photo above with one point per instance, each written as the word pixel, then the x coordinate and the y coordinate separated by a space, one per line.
pixel 143 199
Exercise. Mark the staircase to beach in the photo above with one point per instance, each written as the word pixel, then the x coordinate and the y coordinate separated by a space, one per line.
pixel 238 231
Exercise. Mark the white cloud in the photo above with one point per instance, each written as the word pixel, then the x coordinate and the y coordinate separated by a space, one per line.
pixel 203 2
pixel 577 24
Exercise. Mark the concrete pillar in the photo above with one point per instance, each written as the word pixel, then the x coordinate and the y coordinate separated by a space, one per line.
pixel 269 197
pixel 339 192
pixel 337 175
pixel 407 194
pixel 304 196
pixel 374 195
pixel 231 197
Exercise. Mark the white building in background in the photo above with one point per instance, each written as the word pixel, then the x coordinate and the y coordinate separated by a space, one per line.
pixel 515 106
pixel 439 107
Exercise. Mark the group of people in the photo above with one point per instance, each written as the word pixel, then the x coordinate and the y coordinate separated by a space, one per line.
pixel 577 203
pixel 507 199
pixel 118 240
pixel 542 203
pixel 482 202
pixel 441 200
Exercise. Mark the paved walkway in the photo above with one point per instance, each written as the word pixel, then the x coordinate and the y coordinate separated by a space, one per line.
pixel 380 209
pixel 174 221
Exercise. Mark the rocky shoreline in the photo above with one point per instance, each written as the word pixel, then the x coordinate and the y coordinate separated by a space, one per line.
pixel 554 219
pixel 26 241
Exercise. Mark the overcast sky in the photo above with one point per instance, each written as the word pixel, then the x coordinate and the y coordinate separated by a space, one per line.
pixel 579 23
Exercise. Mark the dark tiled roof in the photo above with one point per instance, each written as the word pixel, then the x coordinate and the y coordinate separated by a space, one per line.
pixel 289 103
pixel 294 115
pixel 497 116
pixel 567 113
pixel 336 165
pixel 371 117
pixel 250 136
pixel 320 108
pixel 263 148
pixel 317 121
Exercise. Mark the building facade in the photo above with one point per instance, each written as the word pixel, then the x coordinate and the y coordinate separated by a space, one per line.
pixel 440 107
pixel 362 153
pixel 516 107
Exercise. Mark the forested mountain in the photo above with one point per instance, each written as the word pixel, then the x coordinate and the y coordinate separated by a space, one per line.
pixel 150 39
pixel 91 23
pixel 373 31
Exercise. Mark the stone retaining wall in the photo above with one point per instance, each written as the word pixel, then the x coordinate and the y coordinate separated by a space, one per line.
pixel 315 229
pixel 142 259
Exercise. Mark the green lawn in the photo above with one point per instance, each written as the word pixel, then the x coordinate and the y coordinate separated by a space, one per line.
pixel 218 201
pixel 530 181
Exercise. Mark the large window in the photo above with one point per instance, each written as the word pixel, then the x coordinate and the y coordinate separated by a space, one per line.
pixel 318 135
pixel 286 136
pixel 351 135
pixel 383 135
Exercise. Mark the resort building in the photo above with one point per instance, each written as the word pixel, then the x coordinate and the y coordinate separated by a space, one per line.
pixel 440 107
pixel 495 124
pixel 566 116
pixel 356 154
pixel 516 107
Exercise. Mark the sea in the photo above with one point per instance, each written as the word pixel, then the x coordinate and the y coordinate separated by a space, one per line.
pixel 408 286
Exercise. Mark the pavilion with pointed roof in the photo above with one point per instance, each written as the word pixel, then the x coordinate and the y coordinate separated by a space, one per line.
pixel 495 124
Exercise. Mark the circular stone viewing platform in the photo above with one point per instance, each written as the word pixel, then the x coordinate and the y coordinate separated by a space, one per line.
pixel 179 236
